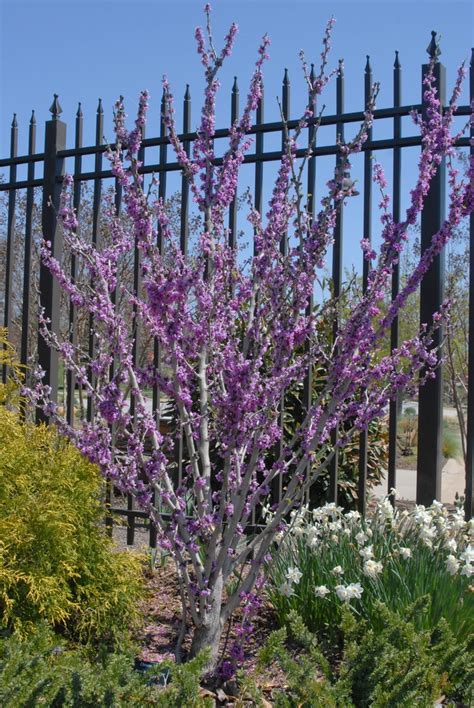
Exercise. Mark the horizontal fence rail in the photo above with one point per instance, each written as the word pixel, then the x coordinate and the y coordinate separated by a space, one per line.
pixel 53 161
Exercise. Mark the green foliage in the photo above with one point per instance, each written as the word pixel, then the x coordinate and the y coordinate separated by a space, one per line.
pixel 41 672
pixel 396 665
pixel 451 442
pixel 407 437
pixel 391 666
pixel 327 547
pixel 9 394
pixel 348 460
pixel 348 465
pixel 184 687
pixel 407 433
pixel 56 563
pixel 455 660
pixel 306 674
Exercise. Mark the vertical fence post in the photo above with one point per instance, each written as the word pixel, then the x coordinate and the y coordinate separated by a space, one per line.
pixel 311 207
pixel 156 402
pixel 30 195
pixel 337 268
pixel 259 119
pixel 184 246
pixel 285 110
pixel 8 312
pixel 394 332
pixel 70 376
pixel 55 141
pixel 430 406
pixel 364 435
pixel 156 396
pixel 96 208
pixel 109 486
pixel 276 484
pixel 258 193
pixel 137 344
pixel 469 493
pixel 234 115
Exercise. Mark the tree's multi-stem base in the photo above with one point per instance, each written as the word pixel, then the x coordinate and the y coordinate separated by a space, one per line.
pixel 208 634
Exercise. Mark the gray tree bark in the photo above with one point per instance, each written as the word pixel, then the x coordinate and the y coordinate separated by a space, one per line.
pixel 208 634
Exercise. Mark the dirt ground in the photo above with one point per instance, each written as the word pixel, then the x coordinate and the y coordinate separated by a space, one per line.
pixel 163 619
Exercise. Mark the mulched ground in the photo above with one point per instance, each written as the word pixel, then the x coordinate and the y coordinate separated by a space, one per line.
pixel 163 620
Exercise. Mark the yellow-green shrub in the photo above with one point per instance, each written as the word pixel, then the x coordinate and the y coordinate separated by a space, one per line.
pixel 9 391
pixel 56 563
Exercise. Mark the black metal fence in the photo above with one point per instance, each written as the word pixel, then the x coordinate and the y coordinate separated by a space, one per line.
pixel 53 160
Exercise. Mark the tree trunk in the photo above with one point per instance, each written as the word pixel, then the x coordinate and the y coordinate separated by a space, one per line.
pixel 208 634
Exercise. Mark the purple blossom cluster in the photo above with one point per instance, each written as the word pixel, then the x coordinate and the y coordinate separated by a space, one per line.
pixel 233 339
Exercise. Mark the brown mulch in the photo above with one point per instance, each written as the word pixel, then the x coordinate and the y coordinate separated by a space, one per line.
pixel 162 613
pixel 158 636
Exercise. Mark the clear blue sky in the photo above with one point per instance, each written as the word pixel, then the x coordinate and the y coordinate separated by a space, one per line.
pixel 83 49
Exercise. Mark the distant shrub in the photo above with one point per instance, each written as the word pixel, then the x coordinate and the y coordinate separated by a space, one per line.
pixel 451 442
pixel 56 563
pixel 407 437
pixel 407 434
pixel 410 412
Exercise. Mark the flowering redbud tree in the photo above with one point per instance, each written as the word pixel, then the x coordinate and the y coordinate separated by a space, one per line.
pixel 234 336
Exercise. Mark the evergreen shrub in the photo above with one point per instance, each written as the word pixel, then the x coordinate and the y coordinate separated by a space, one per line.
pixel 56 562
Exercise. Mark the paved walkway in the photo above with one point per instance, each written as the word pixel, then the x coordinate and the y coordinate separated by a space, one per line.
pixel 452 481
pixel 448 411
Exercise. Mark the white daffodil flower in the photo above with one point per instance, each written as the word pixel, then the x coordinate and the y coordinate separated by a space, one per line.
pixel 293 575
pixel 346 593
pixel 468 554
pixel 366 553
pixel 341 592
pixel 451 545
pixel 355 590
pixel 452 564
pixel 286 589
pixel 372 568
pixel 386 509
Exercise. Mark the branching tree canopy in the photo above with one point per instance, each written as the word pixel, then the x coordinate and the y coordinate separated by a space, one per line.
pixel 234 336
